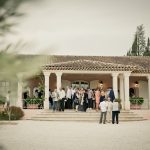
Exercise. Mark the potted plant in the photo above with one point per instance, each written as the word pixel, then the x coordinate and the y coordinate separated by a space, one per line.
pixel 136 102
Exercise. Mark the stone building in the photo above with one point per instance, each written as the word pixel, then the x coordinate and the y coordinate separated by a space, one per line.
pixel 122 73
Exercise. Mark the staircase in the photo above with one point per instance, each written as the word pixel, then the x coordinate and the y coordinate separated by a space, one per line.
pixel 89 116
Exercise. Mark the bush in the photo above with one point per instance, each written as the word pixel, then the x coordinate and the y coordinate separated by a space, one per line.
pixel 137 100
pixel 16 113
pixel 4 116
pixel 2 99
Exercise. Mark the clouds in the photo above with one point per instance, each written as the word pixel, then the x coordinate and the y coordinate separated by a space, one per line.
pixel 97 27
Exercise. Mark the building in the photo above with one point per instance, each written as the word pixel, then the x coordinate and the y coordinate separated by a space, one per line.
pixel 122 73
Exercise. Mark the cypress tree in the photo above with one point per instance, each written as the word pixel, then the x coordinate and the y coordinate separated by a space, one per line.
pixel 134 51
pixel 147 49
pixel 140 40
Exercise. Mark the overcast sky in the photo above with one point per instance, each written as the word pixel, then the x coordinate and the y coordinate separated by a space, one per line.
pixel 82 27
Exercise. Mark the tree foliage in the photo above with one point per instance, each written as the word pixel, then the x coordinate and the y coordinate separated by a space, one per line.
pixel 11 64
pixel 139 47
pixel 8 14
pixel 147 49
pixel 134 46
pixel 140 40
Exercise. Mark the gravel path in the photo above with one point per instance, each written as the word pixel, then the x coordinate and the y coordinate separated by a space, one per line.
pixel 44 135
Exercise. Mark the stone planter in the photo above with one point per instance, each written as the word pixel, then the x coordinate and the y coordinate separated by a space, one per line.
pixel 135 106
pixel 32 106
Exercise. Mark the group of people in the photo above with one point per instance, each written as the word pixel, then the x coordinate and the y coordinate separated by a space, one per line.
pixel 110 110
pixel 85 99
pixel 73 98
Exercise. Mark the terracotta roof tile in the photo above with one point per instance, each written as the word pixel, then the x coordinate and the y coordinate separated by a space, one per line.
pixel 88 65
pixel 136 64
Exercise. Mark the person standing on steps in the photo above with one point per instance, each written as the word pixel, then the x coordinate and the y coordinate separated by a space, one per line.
pixel 111 95
pixel 103 107
pixel 97 98
pixel 62 97
pixel 109 110
pixel 115 111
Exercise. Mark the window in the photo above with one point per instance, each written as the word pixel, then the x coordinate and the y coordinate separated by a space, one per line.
pixel 4 87
pixel 80 84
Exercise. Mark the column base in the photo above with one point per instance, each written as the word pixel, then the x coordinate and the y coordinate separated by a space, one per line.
pixel 19 103
pixel 127 105
pixel 46 104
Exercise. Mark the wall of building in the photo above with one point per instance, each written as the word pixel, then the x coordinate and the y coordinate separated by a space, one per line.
pixel 143 92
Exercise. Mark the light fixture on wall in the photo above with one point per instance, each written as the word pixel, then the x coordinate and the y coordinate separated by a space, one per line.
pixel 136 83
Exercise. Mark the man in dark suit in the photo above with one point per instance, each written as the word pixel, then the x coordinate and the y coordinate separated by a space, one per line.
pixel 111 95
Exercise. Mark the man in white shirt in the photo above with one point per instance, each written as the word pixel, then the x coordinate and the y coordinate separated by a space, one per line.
pixel 62 97
pixel 7 103
pixel 115 112
pixel 103 107
pixel 90 93
pixel 68 96
pixel 54 96
pixel 109 109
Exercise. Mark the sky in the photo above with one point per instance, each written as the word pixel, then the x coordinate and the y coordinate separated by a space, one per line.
pixel 81 27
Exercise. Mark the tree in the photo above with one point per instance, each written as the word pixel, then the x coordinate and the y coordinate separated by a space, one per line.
pixel 147 49
pixel 140 40
pixel 138 46
pixel 134 50
pixel 10 63
pixel 9 13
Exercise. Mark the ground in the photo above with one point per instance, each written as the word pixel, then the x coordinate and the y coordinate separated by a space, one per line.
pixel 45 135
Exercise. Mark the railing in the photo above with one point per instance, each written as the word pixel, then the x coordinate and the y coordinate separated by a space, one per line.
pixel 33 103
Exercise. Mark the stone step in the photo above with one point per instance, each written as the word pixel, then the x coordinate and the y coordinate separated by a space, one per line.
pixel 82 119
pixel 89 111
pixel 65 116
pixel 82 116
pixel 71 115
pixel 78 114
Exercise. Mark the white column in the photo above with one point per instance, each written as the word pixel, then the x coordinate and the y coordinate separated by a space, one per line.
pixel 126 90
pixel 148 77
pixel 115 83
pixel 46 101
pixel 58 75
pixel 122 92
pixel 20 91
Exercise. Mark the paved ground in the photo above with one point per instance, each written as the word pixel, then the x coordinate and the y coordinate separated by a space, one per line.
pixel 42 135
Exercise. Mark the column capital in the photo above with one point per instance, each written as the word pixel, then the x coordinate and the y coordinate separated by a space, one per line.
pixel 46 73
pixel 58 74
pixel 114 74
pixel 126 74
pixel 148 77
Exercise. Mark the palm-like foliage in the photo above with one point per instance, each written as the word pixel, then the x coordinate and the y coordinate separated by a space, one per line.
pixel 8 14
pixel 10 63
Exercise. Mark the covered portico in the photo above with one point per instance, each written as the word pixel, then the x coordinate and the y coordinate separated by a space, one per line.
pixel 115 74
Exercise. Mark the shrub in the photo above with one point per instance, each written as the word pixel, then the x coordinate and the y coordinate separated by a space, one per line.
pixel 137 100
pixel 3 116
pixel 34 100
pixel 2 99
pixel 16 113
